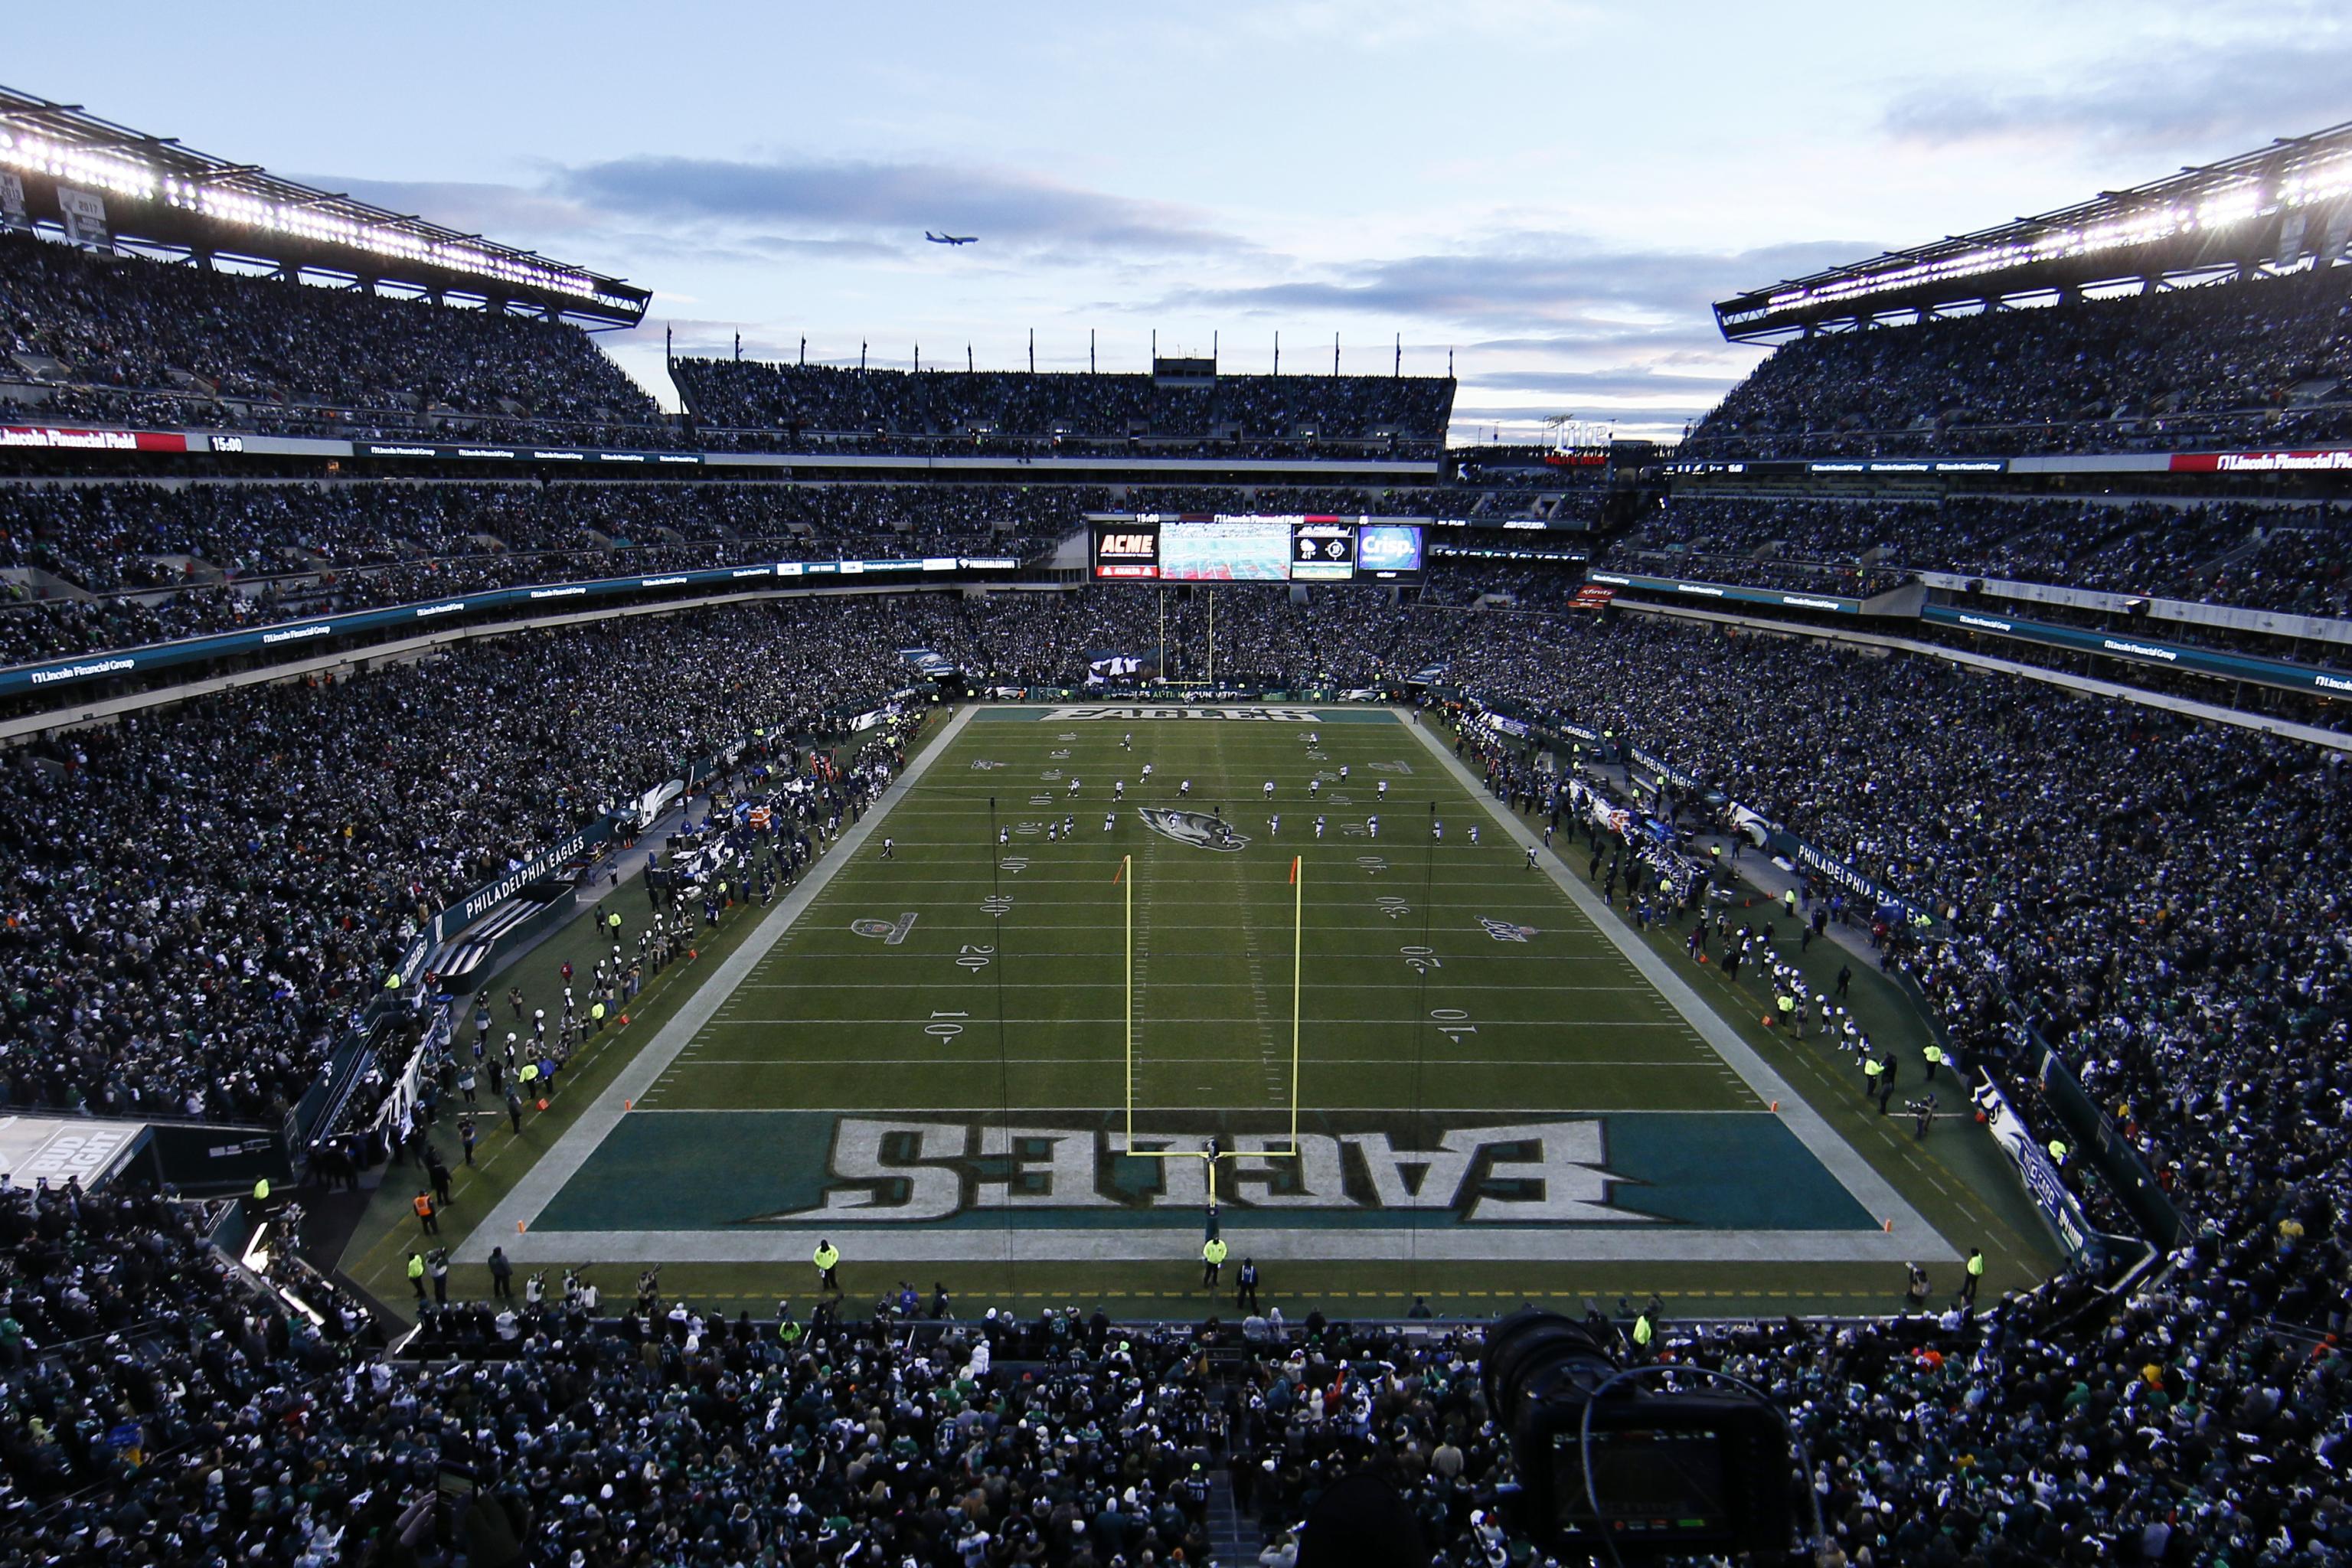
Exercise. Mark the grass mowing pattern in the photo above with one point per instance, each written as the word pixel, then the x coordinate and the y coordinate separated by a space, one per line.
pixel 1470 1051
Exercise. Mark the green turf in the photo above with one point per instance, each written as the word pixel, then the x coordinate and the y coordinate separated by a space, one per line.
pixel 980 977
pixel 1470 1047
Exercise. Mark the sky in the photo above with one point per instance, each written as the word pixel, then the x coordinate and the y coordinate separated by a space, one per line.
pixel 1548 197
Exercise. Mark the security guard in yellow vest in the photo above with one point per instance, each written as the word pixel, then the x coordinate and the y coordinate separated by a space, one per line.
pixel 261 1191
pixel 1934 1055
pixel 1872 1069
pixel 1645 1332
pixel 2058 1150
pixel 1212 1258
pixel 827 1259
pixel 1975 1272
pixel 417 1273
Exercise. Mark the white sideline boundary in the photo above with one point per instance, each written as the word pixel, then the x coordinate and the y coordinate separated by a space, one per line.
pixel 1919 1240
pixel 1909 1237
pixel 537 1189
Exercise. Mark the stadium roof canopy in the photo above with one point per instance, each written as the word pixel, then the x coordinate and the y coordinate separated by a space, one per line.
pixel 150 191
pixel 2279 208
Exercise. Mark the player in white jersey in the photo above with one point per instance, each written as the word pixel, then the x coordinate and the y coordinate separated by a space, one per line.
pixel 1269 789
pixel 1319 828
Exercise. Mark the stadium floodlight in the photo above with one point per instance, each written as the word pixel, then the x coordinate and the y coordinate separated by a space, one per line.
pixel 43 140
pixel 2211 201
pixel 104 171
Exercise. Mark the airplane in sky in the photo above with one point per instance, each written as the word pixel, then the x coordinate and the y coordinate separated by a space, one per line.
pixel 950 239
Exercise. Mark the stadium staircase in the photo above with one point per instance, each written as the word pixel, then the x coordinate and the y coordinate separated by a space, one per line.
pixel 1232 1540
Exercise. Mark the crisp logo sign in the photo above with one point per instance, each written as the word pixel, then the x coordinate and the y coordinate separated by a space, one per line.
pixel 909 1171
pixel 1194 827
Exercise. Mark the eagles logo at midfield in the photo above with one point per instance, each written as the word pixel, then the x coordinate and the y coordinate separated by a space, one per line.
pixel 1197 828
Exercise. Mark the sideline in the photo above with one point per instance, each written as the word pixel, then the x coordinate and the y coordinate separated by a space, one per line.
pixel 1918 1241
pixel 539 1186
pixel 1911 1238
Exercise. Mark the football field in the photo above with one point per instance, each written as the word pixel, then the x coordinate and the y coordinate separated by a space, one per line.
pixel 1068 1003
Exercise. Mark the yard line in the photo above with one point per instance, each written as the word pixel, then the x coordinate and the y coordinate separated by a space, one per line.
pixel 1559 986
pixel 874 952
pixel 1103 1058
pixel 1156 1019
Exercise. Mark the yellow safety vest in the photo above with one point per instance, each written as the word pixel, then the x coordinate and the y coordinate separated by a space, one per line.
pixel 1213 1252
pixel 261 1191
pixel 827 1257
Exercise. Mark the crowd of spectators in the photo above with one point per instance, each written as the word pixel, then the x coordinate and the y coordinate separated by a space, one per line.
pixel 108 536
pixel 1035 411
pixel 180 560
pixel 2256 555
pixel 264 351
pixel 2166 899
pixel 291 839
pixel 2262 361
pixel 194 902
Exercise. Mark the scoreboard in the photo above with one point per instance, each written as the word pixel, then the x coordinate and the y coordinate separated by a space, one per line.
pixel 1234 549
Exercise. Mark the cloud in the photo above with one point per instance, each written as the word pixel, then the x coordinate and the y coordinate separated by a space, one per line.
pixel 1623 380
pixel 804 197
pixel 472 207
pixel 757 212
pixel 1560 281
pixel 2200 101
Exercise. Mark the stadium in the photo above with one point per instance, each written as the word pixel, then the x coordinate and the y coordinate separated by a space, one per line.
pixel 819 964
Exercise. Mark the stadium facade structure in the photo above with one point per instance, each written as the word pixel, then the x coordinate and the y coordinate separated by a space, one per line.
pixel 2278 209
pixel 68 170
